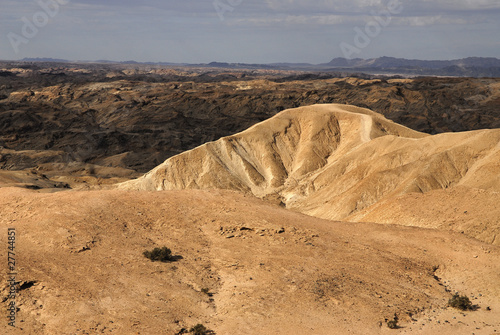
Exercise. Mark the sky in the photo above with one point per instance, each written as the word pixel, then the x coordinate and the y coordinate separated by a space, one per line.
pixel 248 31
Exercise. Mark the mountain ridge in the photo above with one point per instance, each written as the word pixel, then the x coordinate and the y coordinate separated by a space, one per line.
pixel 464 67
pixel 381 62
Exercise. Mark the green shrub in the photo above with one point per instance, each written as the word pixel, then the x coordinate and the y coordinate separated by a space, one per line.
pixel 461 302
pixel 159 255
pixel 200 329
pixel 393 324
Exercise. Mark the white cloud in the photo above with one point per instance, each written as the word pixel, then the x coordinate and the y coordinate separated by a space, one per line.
pixel 328 6
pixel 294 20
pixel 334 20
pixel 417 21
pixel 355 12
pixel 358 6
pixel 461 4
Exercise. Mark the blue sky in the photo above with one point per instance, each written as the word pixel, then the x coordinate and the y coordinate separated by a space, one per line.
pixel 250 31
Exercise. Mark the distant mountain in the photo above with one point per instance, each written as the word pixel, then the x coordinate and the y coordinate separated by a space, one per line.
pixel 102 61
pixel 472 66
pixel 45 60
pixel 99 61
pixel 391 62
pixel 236 65
pixel 465 67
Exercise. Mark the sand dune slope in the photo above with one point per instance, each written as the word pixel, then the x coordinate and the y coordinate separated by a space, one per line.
pixel 338 162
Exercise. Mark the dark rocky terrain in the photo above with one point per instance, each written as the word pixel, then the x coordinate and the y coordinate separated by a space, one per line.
pixel 118 120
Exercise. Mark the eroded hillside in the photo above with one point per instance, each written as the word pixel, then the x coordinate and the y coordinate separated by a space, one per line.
pixel 341 162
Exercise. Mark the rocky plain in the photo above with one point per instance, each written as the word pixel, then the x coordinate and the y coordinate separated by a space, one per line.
pixel 293 202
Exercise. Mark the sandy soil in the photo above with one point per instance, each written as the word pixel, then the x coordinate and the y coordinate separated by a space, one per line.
pixel 267 270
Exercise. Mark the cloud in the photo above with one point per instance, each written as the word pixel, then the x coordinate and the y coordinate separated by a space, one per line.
pixel 293 20
pixel 365 6
pixel 328 6
pixel 464 5
pixel 337 20
pixel 187 7
pixel 336 12
pixel 418 21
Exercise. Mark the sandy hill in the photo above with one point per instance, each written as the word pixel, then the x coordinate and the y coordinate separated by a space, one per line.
pixel 243 267
pixel 341 162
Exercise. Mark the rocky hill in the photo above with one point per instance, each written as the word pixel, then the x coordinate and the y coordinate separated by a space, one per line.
pixel 101 121
pixel 341 162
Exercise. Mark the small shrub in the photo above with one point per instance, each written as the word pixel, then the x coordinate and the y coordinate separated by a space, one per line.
pixel 206 291
pixel 393 324
pixel 159 255
pixel 461 302
pixel 200 329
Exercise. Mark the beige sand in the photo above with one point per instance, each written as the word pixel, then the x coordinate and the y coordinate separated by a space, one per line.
pixel 269 270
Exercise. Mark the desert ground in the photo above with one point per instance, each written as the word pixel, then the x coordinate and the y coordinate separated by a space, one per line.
pixel 292 203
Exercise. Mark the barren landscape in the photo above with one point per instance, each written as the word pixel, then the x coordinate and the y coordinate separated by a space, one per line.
pixel 106 121
pixel 293 203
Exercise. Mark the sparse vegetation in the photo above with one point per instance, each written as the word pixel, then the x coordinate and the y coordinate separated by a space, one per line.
pixel 326 287
pixel 461 302
pixel 206 291
pixel 200 329
pixel 393 324
pixel 159 255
